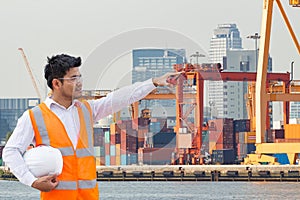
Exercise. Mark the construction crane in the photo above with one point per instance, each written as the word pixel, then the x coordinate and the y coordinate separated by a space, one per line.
pixel 30 73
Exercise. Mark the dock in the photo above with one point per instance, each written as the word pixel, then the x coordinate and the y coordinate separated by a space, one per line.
pixel 275 173
pixel 255 173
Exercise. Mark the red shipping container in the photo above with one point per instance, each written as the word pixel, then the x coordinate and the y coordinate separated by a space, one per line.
pixel 113 139
pixel 107 149
pixel 112 160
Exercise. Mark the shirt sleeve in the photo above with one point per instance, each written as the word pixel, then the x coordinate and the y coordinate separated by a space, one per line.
pixel 17 144
pixel 120 98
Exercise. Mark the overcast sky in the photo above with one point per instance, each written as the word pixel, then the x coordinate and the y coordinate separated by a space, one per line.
pixel 45 28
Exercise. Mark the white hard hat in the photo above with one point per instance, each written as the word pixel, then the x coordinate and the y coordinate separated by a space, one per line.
pixel 43 161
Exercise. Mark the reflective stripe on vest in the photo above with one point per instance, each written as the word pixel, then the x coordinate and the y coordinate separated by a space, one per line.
pixel 66 151
pixel 72 185
pixel 41 125
pixel 84 152
pixel 87 184
pixel 88 120
pixel 66 185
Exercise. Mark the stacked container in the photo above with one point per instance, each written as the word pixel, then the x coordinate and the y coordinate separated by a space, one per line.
pixel 99 145
pixel 155 156
pixel 221 134
pixel 245 144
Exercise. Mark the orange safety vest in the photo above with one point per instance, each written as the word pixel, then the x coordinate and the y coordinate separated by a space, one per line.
pixel 78 177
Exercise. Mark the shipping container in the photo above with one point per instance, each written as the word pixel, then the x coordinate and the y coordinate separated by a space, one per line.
pixel 112 150
pixel 118 160
pixel 107 149
pixel 242 125
pixel 99 136
pixel 155 156
pixel 118 149
pixel 98 140
pixel 114 128
pixel 129 159
pixel 224 156
pixel 221 133
pixel 250 138
pixel 100 161
pixel 102 150
pixel 287 140
pixel 123 159
pixel 292 131
pixel 107 137
pixel 112 160
pixel 107 160
pixel 113 139
pixel 154 127
pixel 244 149
pixel 97 151
pixel 162 139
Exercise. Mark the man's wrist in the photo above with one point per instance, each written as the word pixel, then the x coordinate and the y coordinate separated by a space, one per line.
pixel 154 81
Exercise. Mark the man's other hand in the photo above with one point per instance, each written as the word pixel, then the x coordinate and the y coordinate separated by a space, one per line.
pixel 45 183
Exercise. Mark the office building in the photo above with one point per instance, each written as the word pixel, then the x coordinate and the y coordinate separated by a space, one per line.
pixel 149 63
pixel 228 98
pixel 11 110
pixel 295 110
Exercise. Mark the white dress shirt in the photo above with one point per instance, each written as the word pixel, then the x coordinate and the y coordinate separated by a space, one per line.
pixel 23 135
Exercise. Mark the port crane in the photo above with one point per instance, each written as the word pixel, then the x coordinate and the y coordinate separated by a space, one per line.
pixel 262 96
pixel 30 73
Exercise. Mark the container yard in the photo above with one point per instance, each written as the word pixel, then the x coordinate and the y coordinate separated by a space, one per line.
pixel 147 148
pixel 193 140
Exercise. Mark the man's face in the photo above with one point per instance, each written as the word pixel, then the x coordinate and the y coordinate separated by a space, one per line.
pixel 72 84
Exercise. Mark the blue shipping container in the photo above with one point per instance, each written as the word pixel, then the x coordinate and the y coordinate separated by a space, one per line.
pixel 113 150
pixel 123 159
pixel 107 160
pixel 107 137
pixel 132 159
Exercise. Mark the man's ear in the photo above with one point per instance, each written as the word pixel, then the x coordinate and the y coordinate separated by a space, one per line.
pixel 56 84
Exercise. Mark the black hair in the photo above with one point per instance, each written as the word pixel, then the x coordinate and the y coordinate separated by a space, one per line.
pixel 58 66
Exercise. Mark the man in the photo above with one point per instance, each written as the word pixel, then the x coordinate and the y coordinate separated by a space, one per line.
pixel 64 123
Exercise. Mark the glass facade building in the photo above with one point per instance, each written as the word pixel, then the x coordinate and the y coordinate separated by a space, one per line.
pixel 11 110
pixel 228 98
pixel 149 63
pixel 295 110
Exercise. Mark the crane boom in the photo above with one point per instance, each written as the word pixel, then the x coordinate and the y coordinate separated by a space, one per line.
pixel 30 73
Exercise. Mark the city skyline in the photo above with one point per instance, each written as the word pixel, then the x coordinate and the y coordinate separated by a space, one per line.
pixel 43 29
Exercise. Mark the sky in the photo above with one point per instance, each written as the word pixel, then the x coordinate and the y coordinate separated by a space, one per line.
pixel 81 28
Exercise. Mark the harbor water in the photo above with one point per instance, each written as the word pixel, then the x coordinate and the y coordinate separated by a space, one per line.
pixel 10 190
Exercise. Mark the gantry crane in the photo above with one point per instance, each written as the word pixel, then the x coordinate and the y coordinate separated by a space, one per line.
pixel 30 73
pixel 262 95
pixel 189 134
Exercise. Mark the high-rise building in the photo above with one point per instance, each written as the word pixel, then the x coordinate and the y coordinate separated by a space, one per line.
pixel 11 110
pixel 295 110
pixel 149 63
pixel 228 98
pixel 225 37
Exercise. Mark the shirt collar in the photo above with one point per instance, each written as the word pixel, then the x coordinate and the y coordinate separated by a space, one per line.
pixel 50 102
